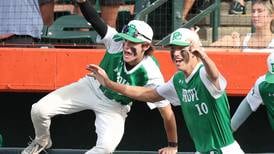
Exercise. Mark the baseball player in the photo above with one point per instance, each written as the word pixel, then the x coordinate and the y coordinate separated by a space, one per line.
pixel 128 61
pixel 262 93
pixel 198 87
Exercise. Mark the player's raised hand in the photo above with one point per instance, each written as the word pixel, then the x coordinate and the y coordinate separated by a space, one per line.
pixel 98 73
pixel 196 49
pixel 168 150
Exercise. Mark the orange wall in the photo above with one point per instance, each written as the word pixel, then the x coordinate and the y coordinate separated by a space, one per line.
pixel 36 69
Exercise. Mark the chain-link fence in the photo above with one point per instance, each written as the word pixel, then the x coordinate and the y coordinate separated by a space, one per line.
pixel 58 23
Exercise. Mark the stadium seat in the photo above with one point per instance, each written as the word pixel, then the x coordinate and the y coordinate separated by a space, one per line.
pixel 71 29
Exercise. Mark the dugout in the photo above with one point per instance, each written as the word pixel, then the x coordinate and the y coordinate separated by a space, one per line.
pixel 22 83
pixel 144 129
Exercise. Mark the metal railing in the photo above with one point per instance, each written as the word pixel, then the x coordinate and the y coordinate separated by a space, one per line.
pixel 213 9
pixel 177 5
pixel 142 15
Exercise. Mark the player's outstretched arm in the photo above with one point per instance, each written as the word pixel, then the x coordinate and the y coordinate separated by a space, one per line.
pixel 241 114
pixel 144 94
pixel 171 130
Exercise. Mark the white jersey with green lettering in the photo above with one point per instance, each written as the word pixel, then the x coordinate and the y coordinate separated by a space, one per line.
pixel 262 93
pixel 147 73
pixel 204 107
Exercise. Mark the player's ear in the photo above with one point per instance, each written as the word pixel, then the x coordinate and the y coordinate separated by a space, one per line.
pixel 145 46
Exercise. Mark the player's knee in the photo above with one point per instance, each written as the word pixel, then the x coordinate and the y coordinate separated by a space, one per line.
pixel 101 150
pixel 37 111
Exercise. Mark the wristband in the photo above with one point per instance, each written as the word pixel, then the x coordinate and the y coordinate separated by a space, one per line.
pixel 80 1
pixel 172 144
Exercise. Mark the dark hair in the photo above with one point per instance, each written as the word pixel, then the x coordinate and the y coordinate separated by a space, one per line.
pixel 149 51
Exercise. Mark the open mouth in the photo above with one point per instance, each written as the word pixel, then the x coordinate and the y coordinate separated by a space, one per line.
pixel 178 60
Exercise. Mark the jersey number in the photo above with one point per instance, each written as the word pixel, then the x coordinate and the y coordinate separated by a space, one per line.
pixel 202 108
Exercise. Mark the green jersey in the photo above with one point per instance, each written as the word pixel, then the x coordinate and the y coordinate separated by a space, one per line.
pixel 204 107
pixel 262 93
pixel 144 74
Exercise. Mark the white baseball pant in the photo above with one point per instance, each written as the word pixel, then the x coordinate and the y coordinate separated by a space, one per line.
pixel 78 96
